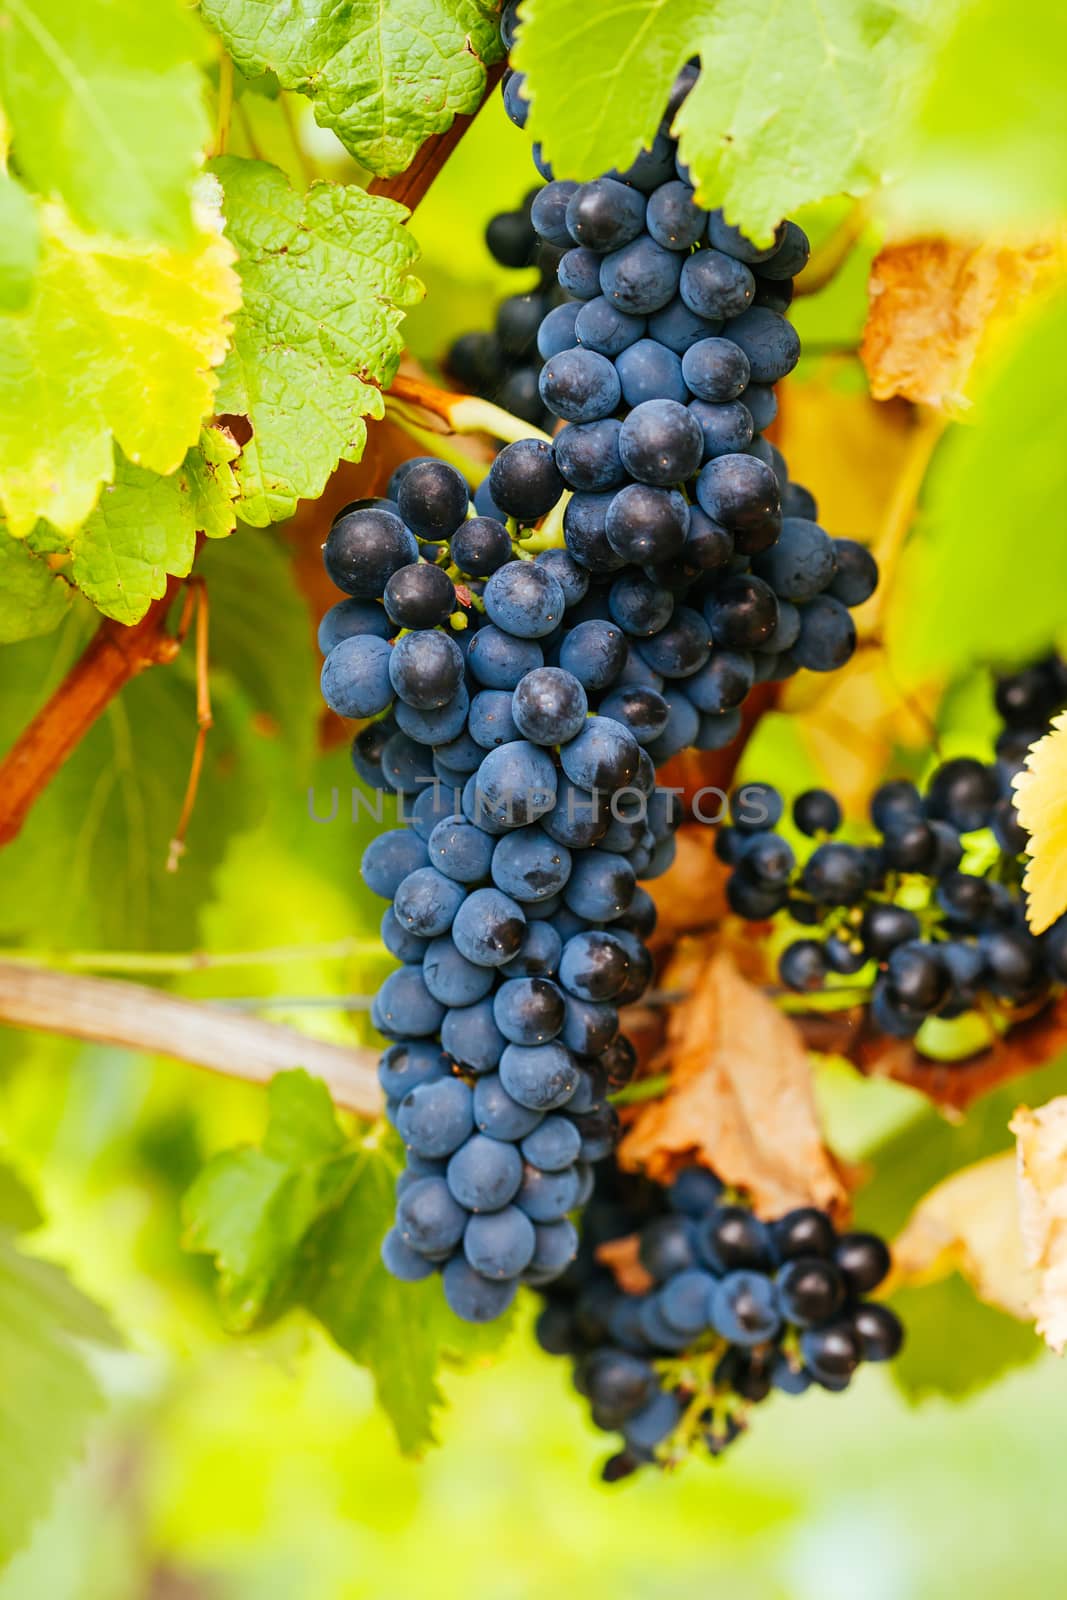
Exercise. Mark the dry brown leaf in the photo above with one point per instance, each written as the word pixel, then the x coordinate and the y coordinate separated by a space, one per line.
pixel 933 302
pixel 621 1257
pixel 691 894
pixel 970 1224
pixel 1042 1170
pixel 740 1101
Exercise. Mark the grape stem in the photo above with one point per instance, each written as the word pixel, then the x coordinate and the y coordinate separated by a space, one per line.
pixel 461 413
pixel 134 1017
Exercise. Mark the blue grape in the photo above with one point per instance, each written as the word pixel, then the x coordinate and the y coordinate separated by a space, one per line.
pixel 856 572
pixel 685 1301
pixel 548 213
pixel 489 928
pixel 600 886
pixel 401 1261
pixel 500 1245
pixel 602 327
pixel 645 524
pixel 641 277
pixel 603 756
pixel 404 764
pixel 716 286
pixel 639 606
pixel 716 369
pixel 578 818
pixel 528 1011
pixel 827 635
pixel 723 236
pixel 539 953
pixel 480 545
pixel 653 1423
pixel 404 1066
pixel 471 1037
pixel 548 1196
pixel 404 1008
pixel 592 654
pixel 741 494
pixel 398 941
pixel 472 1297
pixel 594 965
pixel 650 371
pixel 498 659
pixel 572 579
pixel 426 902
pixel 530 866
pixel 723 683
pixel 768 340
pixel 725 429
pixel 524 600
pixel 801 563
pixel 585 532
pixel 460 850
pixel 555 1247
pixel 435 804
pixel 549 706
pixel 588 1026
pixel 605 214
pixel 389 858
pixel 744 1308
pixel 542 1077
pixel 515 103
pixel 364 548
pixel 484 1174
pixel 490 720
pixel 553 1145
pixel 661 443
pixel 673 217
pixel 588 455
pixel 525 479
pixel 580 385
pixel 651 166
pixel 708 546
pixel 460 754
pixel 433 499
pixel 355 676
pixel 679 328
pixel 436 727
pixel 680 730
pixel 579 273
pixel 425 669
pixel 428 1218
pixel 351 619
pixel 558 331
pixel 761 403
pixel 681 648
pixel 497 1114
pixel 642 710
pixel 435 1118
pixel 516 784
pixel 451 978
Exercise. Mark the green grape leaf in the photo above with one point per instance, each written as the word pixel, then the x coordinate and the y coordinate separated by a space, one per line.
pixel 252 1209
pixel 383 78
pixel 299 1221
pixel 105 112
pixel 325 278
pixel 49 1395
pixel 795 101
pixel 990 544
pixel 144 527
pixel 20 244
pixel 33 598
pixel 954 1342
pixel 117 345
pixel 116 801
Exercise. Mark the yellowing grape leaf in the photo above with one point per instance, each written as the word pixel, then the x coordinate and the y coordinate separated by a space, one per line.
pixel 1042 1157
pixel 326 277
pixel 33 598
pixel 144 527
pixel 1041 799
pixel 107 112
pixel 970 1224
pixel 117 344
pixel 797 99
pixel 740 1098
pixel 20 243
pixel 933 305
pixel 382 77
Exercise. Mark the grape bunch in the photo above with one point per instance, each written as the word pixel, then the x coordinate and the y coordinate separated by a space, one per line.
pixel 661 364
pixel 503 364
pixel 734 1309
pixel 514 904
pixel 925 915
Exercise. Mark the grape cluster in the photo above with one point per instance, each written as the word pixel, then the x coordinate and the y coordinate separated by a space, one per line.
pixel 661 362
pixel 503 364
pixel 736 1308
pixel 514 903
pixel 925 914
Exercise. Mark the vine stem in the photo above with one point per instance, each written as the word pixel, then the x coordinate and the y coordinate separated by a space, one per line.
pixel 134 1017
